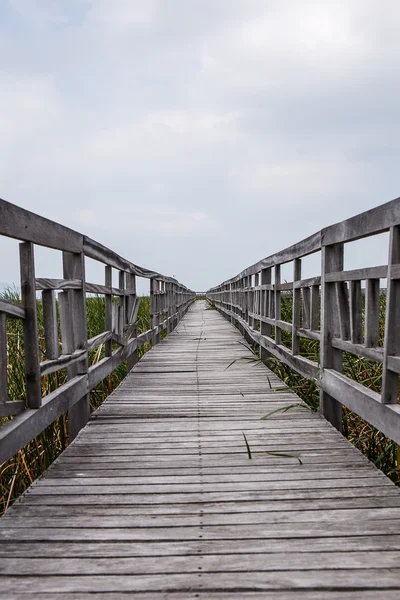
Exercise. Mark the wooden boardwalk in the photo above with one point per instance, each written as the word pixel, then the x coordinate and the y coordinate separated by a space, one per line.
pixel 157 497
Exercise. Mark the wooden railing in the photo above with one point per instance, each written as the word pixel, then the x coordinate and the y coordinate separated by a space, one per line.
pixel 169 302
pixel 329 308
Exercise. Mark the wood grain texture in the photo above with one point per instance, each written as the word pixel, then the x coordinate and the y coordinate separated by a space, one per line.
pixel 157 497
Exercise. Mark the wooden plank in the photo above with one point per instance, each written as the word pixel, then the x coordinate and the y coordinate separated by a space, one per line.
pixel 375 354
pixel 358 274
pixel 15 434
pixel 158 488
pixel 62 362
pixel 58 284
pixel 21 224
pixel 11 309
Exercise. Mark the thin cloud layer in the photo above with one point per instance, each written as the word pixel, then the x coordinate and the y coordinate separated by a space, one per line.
pixel 197 137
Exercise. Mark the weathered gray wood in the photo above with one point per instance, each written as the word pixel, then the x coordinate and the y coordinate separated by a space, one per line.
pixel 108 307
pixel 31 336
pixel 371 313
pixel 99 340
pixel 58 284
pixel 62 362
pixel 159 488
pixel 3 359
pixel 11 408
pixel 265 328
pixel 331 261
pixel 363 401
pixel 314 308
pixel 15 434
pixel 390 379
pixel 50 325
pixel 154 307
pixel 308 333
pixel 358 274
pixel 11 309
pixel 296 306
pixel 306 301
pixel 74 268
pixel 375 354
pixel 355 312
pixel 277 303
pixel 21 224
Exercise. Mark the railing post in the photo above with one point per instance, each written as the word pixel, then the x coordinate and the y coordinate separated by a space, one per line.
pixel 74 268
pixel 108 309
pixel 390 382
pixel 296 306
pixel 154 309
pixel 265 328
pixel 331 358
pixel 130 305
pixel 31 336
pixel 277 303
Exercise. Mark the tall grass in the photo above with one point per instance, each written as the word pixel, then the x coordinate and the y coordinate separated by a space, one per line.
pixel 30 462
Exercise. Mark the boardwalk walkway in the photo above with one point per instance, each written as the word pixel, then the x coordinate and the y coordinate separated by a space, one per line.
pixel 157 498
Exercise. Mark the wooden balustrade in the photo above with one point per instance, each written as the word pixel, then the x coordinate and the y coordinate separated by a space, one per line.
pixel 328 308
pixel 169 302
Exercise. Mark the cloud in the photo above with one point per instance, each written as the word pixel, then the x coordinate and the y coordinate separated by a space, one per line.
pixel 139 121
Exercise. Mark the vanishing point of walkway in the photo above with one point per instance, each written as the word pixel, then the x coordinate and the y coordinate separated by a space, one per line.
pixel 157 496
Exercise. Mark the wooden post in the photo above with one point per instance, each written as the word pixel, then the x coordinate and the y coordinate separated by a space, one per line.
pixel 390 382
pixel 31 337
pixel 265 328
pixel 108 309
pixel 296 306
pixel 277 304
pixel 74 268
pixel 3 360
pixel 154 309
pixel 314 309
pixel 331 358
pixel 121 308
pixel 131 301
pixel 50 324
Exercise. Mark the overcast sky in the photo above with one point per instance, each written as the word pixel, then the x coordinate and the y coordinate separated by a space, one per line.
pixel 195 137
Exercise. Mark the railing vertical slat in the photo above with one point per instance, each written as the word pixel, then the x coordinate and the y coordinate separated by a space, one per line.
pixel 130 306
pixel 331 358
pixel 306 302
pixel 355 312
pixel 296 306
pixel 108 308
pixel 74 268
pixel 277 303
pixel 50 324
pixel 265 328
pixel 31 337
pixel 371 313
pixel 390 382
pixel 3 359
pixel 343 311
pixel 314 308
pixel 154 304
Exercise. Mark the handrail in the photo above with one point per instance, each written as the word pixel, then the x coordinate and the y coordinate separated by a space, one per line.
pixel 169 301
pixel 328 308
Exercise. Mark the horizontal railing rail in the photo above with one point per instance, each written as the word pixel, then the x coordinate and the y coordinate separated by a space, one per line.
pixel 169 301
pixel 340 309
